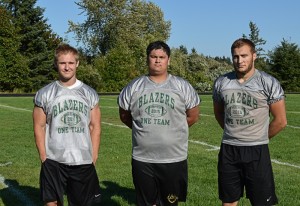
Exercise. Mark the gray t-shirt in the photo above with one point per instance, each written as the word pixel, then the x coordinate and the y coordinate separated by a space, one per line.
pixel 246 107
pixel 67 111
pixel 159 128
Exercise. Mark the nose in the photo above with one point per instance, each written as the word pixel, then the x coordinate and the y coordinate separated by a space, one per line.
pixel 66 67
pixel 241 59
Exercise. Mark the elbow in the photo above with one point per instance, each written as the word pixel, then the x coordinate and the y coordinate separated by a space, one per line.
pixel 283 124
pixel 192 121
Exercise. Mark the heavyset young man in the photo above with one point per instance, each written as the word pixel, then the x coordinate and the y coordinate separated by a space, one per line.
pixel 159 108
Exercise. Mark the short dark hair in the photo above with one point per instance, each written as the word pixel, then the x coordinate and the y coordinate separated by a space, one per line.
pixel 158 45
pixel 241 42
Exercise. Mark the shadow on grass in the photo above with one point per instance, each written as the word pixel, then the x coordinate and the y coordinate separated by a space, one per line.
pixel 16 195
pixel 113 190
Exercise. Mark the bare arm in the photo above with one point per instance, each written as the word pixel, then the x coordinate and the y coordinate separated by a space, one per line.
pixel 39 127
pixel 219 113
pixel 279 120
pixel 125 117
pixel 95 131
pixel 192 115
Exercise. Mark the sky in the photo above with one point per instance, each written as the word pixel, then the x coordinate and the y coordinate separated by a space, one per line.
pixel 209 26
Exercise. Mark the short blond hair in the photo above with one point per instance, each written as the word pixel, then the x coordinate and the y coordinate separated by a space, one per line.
pixel 65 49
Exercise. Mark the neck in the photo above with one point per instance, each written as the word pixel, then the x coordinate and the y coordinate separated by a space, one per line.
pixel 67 83
pixel 158 78
pixel 243 77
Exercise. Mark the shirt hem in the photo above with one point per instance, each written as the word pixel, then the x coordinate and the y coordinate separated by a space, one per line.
pixel 159 161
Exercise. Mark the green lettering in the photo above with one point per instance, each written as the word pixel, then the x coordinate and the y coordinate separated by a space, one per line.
pixel 75 102
pixel 156 96
pixel 145 100
pixel 167 100
pixel 66 106
pixel 232 99
pixel 172 103
pixel 239 97
pixel 140 101
pixel 162 100
pixel 54 111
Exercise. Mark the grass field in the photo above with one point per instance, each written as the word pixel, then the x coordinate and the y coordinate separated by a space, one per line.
pixel 20 165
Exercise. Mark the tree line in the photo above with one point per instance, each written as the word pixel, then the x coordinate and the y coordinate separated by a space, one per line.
pixel 113 40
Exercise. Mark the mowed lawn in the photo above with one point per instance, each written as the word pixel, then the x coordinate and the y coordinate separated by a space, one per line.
pixel 20 165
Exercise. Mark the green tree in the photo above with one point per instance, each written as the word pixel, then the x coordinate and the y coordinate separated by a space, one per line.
pixel 256 39
pixel 13 66
pixel 37 40
pixel 132 22
pixel 285 65
pixel 179 62
pixel 86 71
pixel 199 70
pixel 183 49
pixel 116 69
pixel 261 61
pixel 115 35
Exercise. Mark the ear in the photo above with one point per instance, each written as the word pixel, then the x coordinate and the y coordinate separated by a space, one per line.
pixel 169 61
pixel 254 56
pixel 77 63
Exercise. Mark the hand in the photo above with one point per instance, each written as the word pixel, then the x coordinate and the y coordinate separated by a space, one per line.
pixel 43 159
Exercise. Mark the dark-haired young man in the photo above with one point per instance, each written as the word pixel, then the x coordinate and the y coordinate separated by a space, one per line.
pixel 159 108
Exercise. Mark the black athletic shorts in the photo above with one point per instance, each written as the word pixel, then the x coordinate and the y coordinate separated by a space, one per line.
pixel 161 184
pixel 80 183
pixel 249 167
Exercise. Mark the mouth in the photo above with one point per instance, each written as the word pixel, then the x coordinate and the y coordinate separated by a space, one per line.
pixel 67 71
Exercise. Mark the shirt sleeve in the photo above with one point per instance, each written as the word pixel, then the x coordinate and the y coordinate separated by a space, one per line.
pixel 38 100
pixel 216 91
pixel 124 98
pixel 192 98
pixel 272 88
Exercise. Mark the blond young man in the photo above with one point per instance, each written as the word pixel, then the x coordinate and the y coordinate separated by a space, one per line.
pixel 66 119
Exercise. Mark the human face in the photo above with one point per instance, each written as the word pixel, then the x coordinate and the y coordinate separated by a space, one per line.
pixel 243 61
pixel 67 66
pixel 158 62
